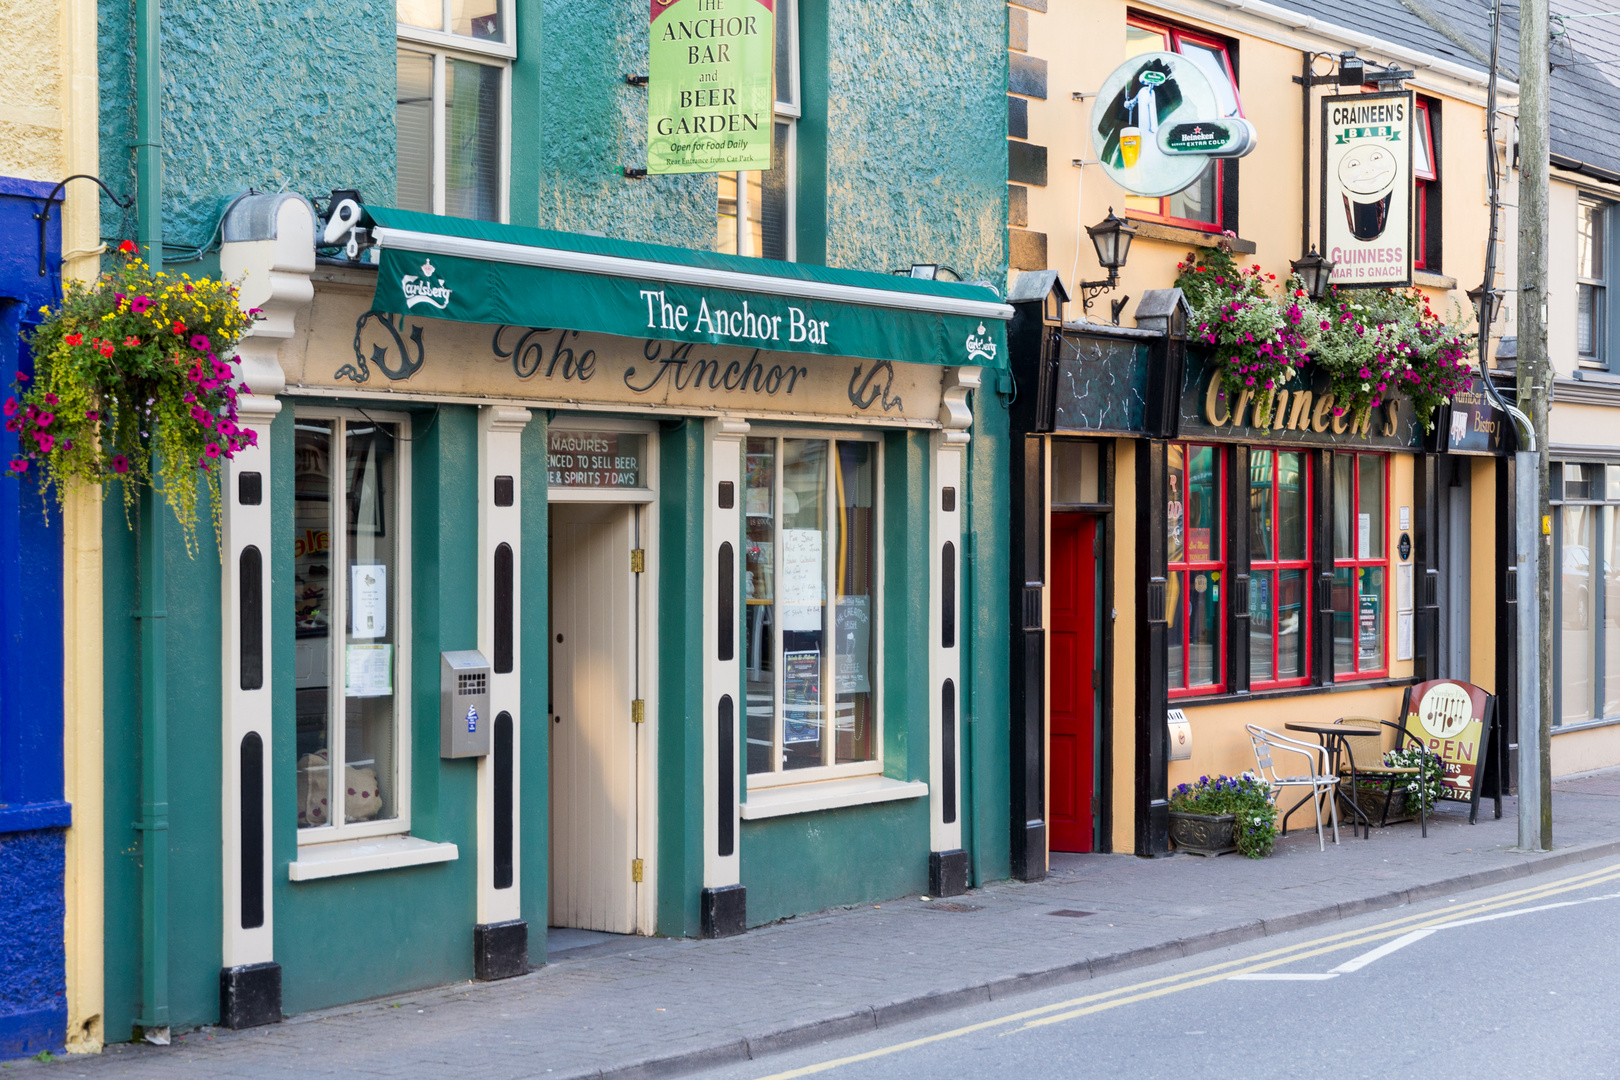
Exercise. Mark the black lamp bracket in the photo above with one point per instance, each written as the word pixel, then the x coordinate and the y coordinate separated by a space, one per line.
pixel 44 216
pixel 1090 290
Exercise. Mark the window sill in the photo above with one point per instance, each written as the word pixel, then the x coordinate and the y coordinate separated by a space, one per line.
pixel 828 795
pixel 1586 725
pixel 1149 229
pixel 1432 280
pixel 344 857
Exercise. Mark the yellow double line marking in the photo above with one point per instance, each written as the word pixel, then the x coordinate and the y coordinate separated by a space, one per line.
pixel 1171 984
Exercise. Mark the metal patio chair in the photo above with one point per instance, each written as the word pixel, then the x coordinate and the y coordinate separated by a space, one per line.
pixel 1320 783
pixel 1365 754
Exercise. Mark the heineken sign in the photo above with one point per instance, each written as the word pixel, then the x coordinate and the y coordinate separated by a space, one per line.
pixel 711 100
pixel 1228 138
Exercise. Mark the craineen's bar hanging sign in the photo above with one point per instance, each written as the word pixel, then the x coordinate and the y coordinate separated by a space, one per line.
pixel 1367 187
pixel 710 98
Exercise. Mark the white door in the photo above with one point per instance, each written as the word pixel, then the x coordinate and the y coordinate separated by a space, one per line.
pixel 593 740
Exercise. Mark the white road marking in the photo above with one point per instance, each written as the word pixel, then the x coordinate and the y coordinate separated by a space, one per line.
pixel 1383 950
pixel 1282 976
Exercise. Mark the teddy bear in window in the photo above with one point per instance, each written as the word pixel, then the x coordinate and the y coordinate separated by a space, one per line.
pixel 362 801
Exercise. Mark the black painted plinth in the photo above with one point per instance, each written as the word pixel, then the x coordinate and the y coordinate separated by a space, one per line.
pixel 250 995
pixel 947 872
pixel 1030 863
pixel 725 911
pixel 500 950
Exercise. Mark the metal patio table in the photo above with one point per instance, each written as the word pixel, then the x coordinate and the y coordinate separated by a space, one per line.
pixel 1335 741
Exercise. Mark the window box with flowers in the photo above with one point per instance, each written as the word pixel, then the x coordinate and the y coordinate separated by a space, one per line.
pixel 1370 343
pixel 134 380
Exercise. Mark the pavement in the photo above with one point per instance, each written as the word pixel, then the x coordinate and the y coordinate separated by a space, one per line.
pixel 644 1007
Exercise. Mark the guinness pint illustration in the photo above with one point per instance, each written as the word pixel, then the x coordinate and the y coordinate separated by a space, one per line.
pixel 1366 210
pixel 1367 181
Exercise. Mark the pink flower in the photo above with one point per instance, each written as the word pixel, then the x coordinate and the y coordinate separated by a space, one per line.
pixel 119 463
pixel 141 305
pixel 199 341
pixel 131 342
pixel 52 399
pixel 19 466
pixel 10 407
pixel 212 450
pixel 45 419
pixel 92 416
pixel 46 441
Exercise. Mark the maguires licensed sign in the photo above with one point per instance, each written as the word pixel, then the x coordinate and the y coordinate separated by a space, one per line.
pixel 347 347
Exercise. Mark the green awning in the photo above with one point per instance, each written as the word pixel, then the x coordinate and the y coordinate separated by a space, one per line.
pixel 477 272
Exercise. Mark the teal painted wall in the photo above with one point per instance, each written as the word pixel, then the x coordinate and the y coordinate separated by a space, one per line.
pixel 362 935
pixel 192 632
pixel 793 865
pixel 595 124
pixel 805 862
pixel 277 94
pixel 916 158
pixel 986 770
pixel 534 778
pixel 680 678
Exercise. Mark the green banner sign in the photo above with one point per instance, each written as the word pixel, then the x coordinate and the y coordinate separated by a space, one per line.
pixel 711 99
pixel 1384 131
pixel 479 272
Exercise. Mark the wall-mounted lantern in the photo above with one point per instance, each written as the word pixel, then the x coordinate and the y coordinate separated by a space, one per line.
pixel 1314 273
pixel 1112 238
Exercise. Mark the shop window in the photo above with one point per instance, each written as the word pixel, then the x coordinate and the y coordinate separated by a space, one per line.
pixel 1586 602
pixel 1360 565
pixel 810 592
pixel 1195 585
pixel 351 612
pixel 1426 186
pixel 451 104
pixel 1279 568
pixel 755 215
pixel 1592 283
pixel 1210 202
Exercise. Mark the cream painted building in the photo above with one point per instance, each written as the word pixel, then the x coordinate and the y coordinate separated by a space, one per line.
pixel 48 131
pixel 1428 592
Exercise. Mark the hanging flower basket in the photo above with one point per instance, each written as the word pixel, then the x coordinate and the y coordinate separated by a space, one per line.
pixel 134 380
pixel 1372 344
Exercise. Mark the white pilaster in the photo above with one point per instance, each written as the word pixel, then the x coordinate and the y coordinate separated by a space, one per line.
pixel 500 463
pixel 269 252
pixel 945 652
pixel 722 677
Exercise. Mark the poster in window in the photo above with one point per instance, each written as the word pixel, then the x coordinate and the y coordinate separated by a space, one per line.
pixel 1367 188
pixel 1173 516
pixel 369 671
pixel 1369 605
pixel 760 479
pixel 368 600
pixel 1363 536
pixel 853 624
pixel 800 586
pixel 801 696
pixel 710 94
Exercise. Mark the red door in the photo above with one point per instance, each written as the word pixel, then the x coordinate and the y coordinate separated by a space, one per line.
pixel 1073 652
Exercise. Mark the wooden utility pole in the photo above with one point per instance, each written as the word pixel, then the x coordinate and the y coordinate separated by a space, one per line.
pixel 1534 383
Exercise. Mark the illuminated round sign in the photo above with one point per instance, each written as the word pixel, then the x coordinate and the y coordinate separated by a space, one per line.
pixel 1139 98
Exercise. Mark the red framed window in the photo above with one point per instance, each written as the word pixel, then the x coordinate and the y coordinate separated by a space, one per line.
pixel 1279 568
pixel 1426 178
pixel 1195 587
pixel 1200 205
pixel 1360 565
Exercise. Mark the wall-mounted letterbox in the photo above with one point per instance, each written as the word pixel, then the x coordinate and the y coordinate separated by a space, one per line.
pixel 464 720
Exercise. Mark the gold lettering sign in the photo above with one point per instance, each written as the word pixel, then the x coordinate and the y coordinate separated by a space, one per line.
pixel 345 348
pixel 1293 410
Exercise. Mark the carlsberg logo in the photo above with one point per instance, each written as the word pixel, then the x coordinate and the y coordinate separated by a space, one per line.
pixel 422 290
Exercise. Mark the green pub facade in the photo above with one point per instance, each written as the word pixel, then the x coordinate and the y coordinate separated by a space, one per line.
pixel 632 582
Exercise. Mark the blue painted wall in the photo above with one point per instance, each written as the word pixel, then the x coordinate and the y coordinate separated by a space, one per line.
pixel 33 976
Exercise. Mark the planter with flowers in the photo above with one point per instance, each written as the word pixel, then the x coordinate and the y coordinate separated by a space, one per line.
pixel 134 380
pixel 1371 344
pixel 1224 813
